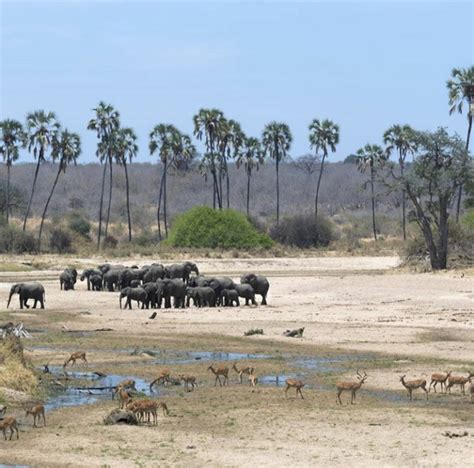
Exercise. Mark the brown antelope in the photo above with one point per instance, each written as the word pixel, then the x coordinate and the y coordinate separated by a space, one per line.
pixel 411 385
pixel 9 423
pixel 459 380
pixel 124 398
pixel 163 377
pixel 37 412
pixel 142 408
pixel 253 380
pixel 188 380
pixel 74 357
pixel 439 379
pixel 243 370
pixel 128 384
pixel 350 386
pixel 293 383
pixel 220 370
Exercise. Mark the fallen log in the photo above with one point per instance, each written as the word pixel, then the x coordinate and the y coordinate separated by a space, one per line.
pixel 296 333
pixel 17 330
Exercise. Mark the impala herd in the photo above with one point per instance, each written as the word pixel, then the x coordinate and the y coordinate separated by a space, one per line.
pixel 146 410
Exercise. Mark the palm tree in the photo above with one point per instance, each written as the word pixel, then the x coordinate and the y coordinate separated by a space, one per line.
pixel 107 120
pixel 371 157
pixel 251 156
pixel 66 146
pixel 12 138
pixel 124 144
pixel 323 136
pixel 206 124
pixel 276 139
pixel 161 139
pixel 460 88
pixel 41 128
pixel 401 138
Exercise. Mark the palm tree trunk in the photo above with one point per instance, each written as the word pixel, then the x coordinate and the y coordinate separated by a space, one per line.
pixel 317 188
pixel 469 128
pixel 110 196
pixel 158 212
pixel 227 186
pixel 99 234
pixel 278 188
pixel 128 202
pixel 40 157
pixel 8 190
pixel 164 201
pixel 404 219
pixel 46 207
pixel 248 193
pixel 373 200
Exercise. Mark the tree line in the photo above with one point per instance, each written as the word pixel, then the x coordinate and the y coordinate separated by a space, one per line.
pixel 224 141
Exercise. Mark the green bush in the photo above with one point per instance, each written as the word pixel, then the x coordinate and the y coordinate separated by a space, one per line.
pixel 61 241
pixel 303 231
pixel 14 240
pixel 203 227
pixel 79 224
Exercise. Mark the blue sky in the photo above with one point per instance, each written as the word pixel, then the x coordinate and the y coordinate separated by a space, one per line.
pixel 363 65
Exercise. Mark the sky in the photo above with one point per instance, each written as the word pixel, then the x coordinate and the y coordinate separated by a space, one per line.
pixel 366 66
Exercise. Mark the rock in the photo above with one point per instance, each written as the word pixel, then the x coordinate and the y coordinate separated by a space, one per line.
pixel 118 416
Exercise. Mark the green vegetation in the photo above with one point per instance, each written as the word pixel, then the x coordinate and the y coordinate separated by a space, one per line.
pixel 203 227
pixel 14 240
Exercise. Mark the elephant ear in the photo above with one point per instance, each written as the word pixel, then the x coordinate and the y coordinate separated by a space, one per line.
pixel 17 288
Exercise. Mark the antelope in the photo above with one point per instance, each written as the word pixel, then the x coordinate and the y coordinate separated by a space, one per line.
pixel 439 379
pixel 74 357
pixel 142 408
pixel 164 377
pixel 350 386
pixel 128 384
pixel 293 383
pixel 411 385
pixel 9 423
pixel 243 370
pixel 220 370
pixel 459 380
pixel 36 411
pixel 124 397
pixel 253 380
pixel 188 379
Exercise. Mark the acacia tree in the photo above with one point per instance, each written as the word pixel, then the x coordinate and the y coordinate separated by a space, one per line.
pixel 124 147
pixel 206 125
pixel 41 129
pixel 276 139
pixel 12 138
pixel 460 88
pixel 371 158
pixel 400 138
pixel 106 120
pixel 431 183
pixel 66 147
pixel 250 156
pixel 323 136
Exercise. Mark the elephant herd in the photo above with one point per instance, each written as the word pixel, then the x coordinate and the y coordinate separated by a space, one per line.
pixel 177 285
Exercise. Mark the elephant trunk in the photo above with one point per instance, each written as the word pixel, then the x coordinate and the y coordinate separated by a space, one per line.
pixel 10 298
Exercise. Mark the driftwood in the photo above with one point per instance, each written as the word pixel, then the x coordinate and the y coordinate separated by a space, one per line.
pixel 17 330
pixel 296 333
pixel 455 434
pixel 254 331
pixel 65 329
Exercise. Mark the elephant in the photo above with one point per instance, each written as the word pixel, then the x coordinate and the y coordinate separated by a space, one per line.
pixel 95 282
pixel 152 290
pixel 246 291
pixel 135 283
pixel 181 270
pixel 105 267
pixel 218 284
pixel 68 278
pixel 153 273
pixel 192 293
pixel 229 297
pixel 86 274
pixel 259 284
pixel 28 291
pixel 173 288
pixel 202 296
pixel 126 276
pixel 111 279
pixel 133 294
pixel 198 281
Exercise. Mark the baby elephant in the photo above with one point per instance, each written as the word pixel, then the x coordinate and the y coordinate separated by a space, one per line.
pixel 230 297
pixel 95 282
pixel 133 294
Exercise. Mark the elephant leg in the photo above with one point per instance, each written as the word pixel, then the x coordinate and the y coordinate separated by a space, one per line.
pixel 42 303
pixel 34 304
pixel 246 301
pixel 237 302
pixel 264 299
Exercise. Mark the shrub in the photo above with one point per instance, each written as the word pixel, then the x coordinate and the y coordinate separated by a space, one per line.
pixel 110 242
pixel 60 241
pixel 146 238
pixel 203 227
pixel 15 240
pixel 79 224
pixel 303 231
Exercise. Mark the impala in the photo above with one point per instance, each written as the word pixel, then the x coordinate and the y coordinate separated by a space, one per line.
pixel 293 383
pixel 220 370
pixel 37 411
pixel 439 379
pixel 9 423
pixel 188 380
pixel 350 386
pixel 459 380
pixel 411 385
pixel 253 380
pixel 163 377
pixel 249 370
pixel 74 357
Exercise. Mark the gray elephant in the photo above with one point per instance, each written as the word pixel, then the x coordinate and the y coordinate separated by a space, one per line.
pixel 246 291
pixel 219 284
pixel 175 288
pixel 229 297
pixel 133 294
pixel 95 282
pixel 152 291
pixel 86 275
pixel 181 271
pixel 153 273
pixel 28 291
pixel 126 276
pixel 198 281
pixel 202 296
pixel 259 284
pixel 67 279
pixel 111 279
